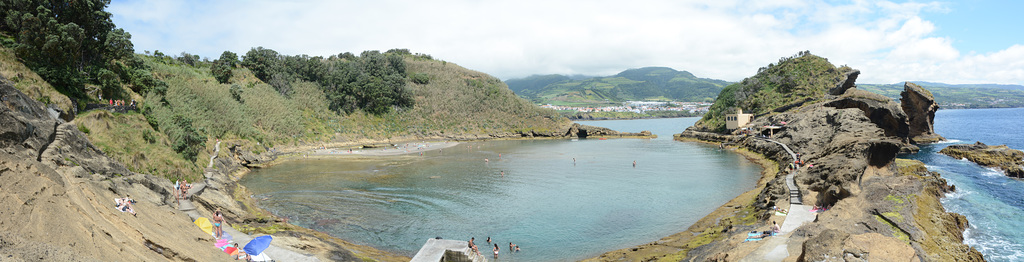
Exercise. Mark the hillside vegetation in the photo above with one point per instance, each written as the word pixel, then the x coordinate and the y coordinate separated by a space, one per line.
pixel 960 96
pixel 792 81
pixel 648 83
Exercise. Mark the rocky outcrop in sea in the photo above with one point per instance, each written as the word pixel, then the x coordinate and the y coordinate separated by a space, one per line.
pixel 1010 161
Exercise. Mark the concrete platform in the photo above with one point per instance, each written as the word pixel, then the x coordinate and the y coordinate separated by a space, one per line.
pixel 434 250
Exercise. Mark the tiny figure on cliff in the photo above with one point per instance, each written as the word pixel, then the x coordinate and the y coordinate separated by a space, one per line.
pixel 775 227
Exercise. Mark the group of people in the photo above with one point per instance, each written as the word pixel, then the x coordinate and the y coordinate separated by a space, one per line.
pixel 511 247
pixel 125 204
pixel 120 102
pixel 180 191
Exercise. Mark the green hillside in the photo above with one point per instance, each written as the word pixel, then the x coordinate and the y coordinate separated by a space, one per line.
pixel 792 81
pixel 960 96
pixel 256 100
pixel 648 83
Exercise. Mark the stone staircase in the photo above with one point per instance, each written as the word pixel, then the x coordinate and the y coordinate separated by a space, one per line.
pixel 275 252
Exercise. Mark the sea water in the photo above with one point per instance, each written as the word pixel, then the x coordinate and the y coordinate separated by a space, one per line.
pixel 554 208
pixel 991 201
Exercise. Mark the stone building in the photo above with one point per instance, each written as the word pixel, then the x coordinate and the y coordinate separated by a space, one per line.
pixel 737 120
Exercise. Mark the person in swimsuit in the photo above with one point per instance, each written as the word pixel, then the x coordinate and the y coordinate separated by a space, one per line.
pixel 496 250
pixel 218 218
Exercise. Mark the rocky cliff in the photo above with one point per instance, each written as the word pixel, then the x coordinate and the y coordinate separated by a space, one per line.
pixel 57 191
pixel 1011 161
pixel 882 208
pixel 920 106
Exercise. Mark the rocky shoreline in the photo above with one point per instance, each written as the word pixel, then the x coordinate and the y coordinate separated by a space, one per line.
pixel 57 189
pixel 1010 161
pixel 881 208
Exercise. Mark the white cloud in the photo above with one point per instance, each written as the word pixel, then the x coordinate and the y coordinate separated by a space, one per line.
pixel 728 40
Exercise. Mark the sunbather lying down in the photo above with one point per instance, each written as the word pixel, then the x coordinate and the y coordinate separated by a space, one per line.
pixel 125 204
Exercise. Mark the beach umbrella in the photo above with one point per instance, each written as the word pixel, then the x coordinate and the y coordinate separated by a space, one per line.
pixel 257 245
pixel 204 224
pixel 231 251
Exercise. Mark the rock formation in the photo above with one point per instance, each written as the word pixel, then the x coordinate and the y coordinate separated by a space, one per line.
pixel 882 208
pixel 1011 161
pixel 57 191
pixel 920 107
pixel 583 131
pixel 849 81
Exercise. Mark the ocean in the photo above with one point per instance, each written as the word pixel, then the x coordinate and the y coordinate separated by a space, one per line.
pixel 991 201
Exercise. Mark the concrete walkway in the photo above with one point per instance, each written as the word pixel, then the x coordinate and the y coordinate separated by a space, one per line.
pixel 274 252
pixel 775 248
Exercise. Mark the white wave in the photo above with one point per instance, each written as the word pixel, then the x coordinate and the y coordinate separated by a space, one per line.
pixel 950 141
pixel 993 172
pixel 958 194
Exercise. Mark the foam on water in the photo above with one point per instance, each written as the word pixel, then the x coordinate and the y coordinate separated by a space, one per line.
pixel 991 201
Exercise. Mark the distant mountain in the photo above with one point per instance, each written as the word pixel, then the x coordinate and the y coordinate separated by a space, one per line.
pixel 996 86
pixel 950 96
pixel 648 83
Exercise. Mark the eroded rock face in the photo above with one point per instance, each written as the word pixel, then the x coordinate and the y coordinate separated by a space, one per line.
pixel 920 107
pixel 879 109
pixel 849 81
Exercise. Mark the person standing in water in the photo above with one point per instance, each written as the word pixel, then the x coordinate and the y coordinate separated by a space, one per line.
pixel 634 163
pixel 496 250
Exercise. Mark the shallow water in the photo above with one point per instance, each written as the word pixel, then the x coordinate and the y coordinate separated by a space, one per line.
pixel 991 201
pixel 554 209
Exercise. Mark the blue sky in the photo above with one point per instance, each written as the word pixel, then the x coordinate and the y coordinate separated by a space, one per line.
pixel 970 41
pixel 980 26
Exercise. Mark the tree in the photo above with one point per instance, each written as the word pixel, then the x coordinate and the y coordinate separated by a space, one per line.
pixel 221 68
pixel 262 62
pixel 187 140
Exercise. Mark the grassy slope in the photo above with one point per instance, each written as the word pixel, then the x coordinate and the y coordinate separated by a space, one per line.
pixel 456 101
pixel 792 80
pixel 29 82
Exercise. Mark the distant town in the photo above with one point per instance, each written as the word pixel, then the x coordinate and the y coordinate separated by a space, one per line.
pixel 639 107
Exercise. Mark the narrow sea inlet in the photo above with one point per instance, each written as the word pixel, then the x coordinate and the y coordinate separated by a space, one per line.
pixel 554 208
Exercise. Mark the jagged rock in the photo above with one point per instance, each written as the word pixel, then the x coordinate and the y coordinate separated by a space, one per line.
pixel 849 81
pixel 1011 161
pixel 26 128
pixel 879 109
pixel 583 131
pixel 919 105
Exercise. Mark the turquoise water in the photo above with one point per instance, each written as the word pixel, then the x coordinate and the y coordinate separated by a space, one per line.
pixel 553 209
pixel 992 202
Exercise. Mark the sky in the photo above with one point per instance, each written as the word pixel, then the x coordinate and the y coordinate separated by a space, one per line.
pixel 956 42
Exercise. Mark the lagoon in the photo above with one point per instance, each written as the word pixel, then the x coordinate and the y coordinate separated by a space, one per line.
pixel 554 208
